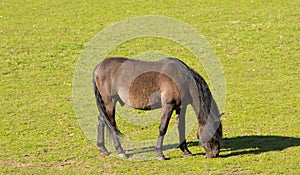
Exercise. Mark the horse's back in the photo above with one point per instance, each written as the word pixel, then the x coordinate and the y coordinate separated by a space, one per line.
pixel 118 66
pixel 142 84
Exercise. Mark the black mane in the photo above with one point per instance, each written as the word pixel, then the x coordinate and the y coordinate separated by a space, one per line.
pixel 204 91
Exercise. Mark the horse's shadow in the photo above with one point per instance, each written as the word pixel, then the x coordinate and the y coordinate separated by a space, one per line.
pixel 236 146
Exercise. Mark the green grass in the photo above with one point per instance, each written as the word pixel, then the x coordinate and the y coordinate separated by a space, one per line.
pixel 257 43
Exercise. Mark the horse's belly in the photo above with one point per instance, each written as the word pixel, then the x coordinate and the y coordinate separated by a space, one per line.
pixel 144 92
pixel 145 101
pixel 143 96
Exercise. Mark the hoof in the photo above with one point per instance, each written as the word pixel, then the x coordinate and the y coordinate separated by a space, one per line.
pixel 210 156
pixel 104 152
pixel 123 155
pixel 162 158
pixel 188 155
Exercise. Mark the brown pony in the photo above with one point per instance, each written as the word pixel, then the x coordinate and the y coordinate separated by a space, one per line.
pixel 168 84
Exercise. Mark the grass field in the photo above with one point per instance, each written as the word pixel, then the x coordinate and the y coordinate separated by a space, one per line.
pixel 257 43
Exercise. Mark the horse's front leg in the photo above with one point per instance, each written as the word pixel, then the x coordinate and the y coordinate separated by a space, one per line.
pixel 180 114
pixel 165 119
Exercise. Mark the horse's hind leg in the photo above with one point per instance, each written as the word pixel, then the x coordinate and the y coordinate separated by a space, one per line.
pixel 118 146
pixel 180 114
pixel 165 119
pixel 110 110
pixel 100 138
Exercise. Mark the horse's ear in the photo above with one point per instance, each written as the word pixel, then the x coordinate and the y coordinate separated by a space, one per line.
pixel 220 115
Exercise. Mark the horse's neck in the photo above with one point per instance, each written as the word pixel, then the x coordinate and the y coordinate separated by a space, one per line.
pixel 196 101
pixel 197 108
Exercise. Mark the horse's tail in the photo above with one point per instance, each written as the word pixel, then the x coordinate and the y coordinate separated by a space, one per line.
pixel 102 110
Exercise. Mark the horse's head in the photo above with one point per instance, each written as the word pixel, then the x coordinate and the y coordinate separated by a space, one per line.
pixel 212 147
pixel 211 137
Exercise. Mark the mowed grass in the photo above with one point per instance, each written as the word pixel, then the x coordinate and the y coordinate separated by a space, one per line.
pixel 257 43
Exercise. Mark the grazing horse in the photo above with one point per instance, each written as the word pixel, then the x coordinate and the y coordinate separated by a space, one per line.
pixel 146 85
